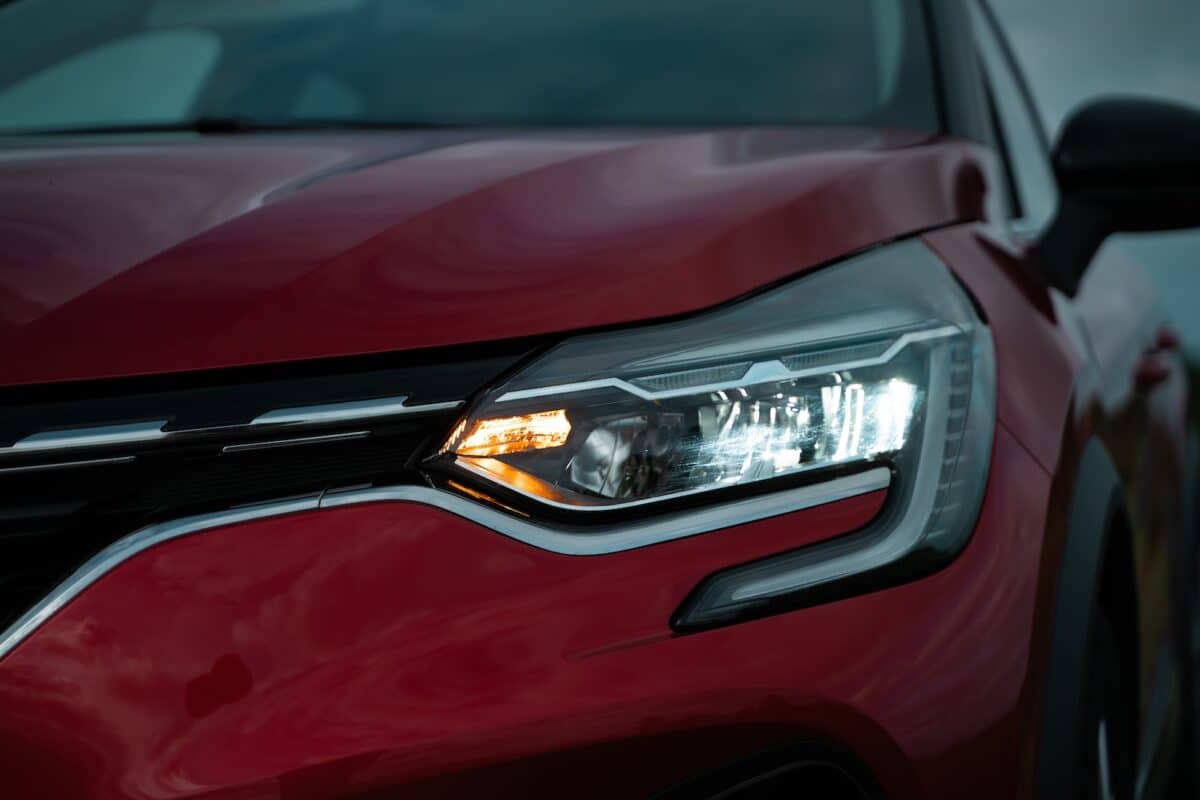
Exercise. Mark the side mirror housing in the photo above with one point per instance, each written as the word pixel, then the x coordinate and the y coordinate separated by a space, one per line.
pixel 1123 165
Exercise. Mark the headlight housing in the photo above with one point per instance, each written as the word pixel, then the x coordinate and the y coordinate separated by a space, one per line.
pixel 877 362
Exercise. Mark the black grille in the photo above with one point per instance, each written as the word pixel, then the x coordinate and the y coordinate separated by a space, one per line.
pixel 57 509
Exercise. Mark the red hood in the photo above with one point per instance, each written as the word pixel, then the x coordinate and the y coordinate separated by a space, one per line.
pixel 158 255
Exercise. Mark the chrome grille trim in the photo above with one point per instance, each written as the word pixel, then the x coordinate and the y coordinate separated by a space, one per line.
pixel 124 549
pixel 95 436
pixel 348 412
pixel 631 535
pixel 90 462
pixel 271 444
pixel 67 440
pixel 615 538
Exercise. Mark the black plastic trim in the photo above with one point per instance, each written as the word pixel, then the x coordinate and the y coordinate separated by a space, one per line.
pixel 235 396
pixel 1095 503
pixel 730 779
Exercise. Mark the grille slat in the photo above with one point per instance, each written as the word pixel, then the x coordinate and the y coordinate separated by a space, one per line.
pixel 59 506
pixel 51 521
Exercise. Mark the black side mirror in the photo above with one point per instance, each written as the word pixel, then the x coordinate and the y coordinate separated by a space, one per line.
pixel 1123 165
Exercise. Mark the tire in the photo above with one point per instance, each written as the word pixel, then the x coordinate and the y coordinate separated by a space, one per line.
pixel 1185 778
pixel 1109 719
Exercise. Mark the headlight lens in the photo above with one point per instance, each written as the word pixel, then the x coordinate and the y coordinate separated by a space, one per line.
pixel 880 360
pixel 609 443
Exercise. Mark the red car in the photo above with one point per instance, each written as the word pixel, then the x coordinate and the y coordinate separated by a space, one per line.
pixel 680 400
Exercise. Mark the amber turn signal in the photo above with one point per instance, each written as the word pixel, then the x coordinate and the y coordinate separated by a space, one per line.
pixel 500 435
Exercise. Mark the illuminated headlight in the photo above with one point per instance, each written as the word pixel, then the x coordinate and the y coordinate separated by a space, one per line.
pixel 877 361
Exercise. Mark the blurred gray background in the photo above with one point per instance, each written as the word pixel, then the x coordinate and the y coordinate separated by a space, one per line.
pixel 1073 50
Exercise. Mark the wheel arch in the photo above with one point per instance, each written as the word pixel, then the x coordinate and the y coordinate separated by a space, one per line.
pixel 1096 570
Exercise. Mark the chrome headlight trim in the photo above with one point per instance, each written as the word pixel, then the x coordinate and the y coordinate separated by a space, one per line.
pixel 893 311
pixel 933 497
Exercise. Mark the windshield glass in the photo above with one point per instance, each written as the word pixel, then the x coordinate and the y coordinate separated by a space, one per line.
pixel 124 63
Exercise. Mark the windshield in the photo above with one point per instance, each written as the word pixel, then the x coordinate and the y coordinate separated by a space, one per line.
pixel 68 65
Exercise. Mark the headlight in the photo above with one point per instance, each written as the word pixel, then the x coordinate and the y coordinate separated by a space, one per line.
pixel 880 361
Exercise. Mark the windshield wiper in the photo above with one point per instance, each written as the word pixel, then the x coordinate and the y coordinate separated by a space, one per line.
pixel 235 125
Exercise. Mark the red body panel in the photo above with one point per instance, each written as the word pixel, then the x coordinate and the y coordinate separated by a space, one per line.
pixel 120 260
pixel 395 647
pixel 1036 367
pixel 1067 372
pixel 388 645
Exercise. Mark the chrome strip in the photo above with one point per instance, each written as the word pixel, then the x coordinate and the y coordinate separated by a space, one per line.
pixel 129 433
pixel 1102 759
pixel 124 549
pixel 74 438
pixel 92 462
pixel 630 535
pixel 353 410
pixel 760 372
pixel 613 539
pixel 273 443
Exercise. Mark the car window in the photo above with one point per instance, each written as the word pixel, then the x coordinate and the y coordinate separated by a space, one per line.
pixel 473 62
pixel 1019 132
pixel 153 76
pixel 1009 194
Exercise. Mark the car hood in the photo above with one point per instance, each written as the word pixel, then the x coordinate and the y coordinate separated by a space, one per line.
pixel 126 256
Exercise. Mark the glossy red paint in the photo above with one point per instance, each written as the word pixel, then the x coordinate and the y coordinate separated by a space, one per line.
pixel 1033 394
pixel 395 649
pixel 1067 372
pixel 397 646
pixel 185 253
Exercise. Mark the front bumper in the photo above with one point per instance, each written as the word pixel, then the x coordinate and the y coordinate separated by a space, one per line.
pixel 336 652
